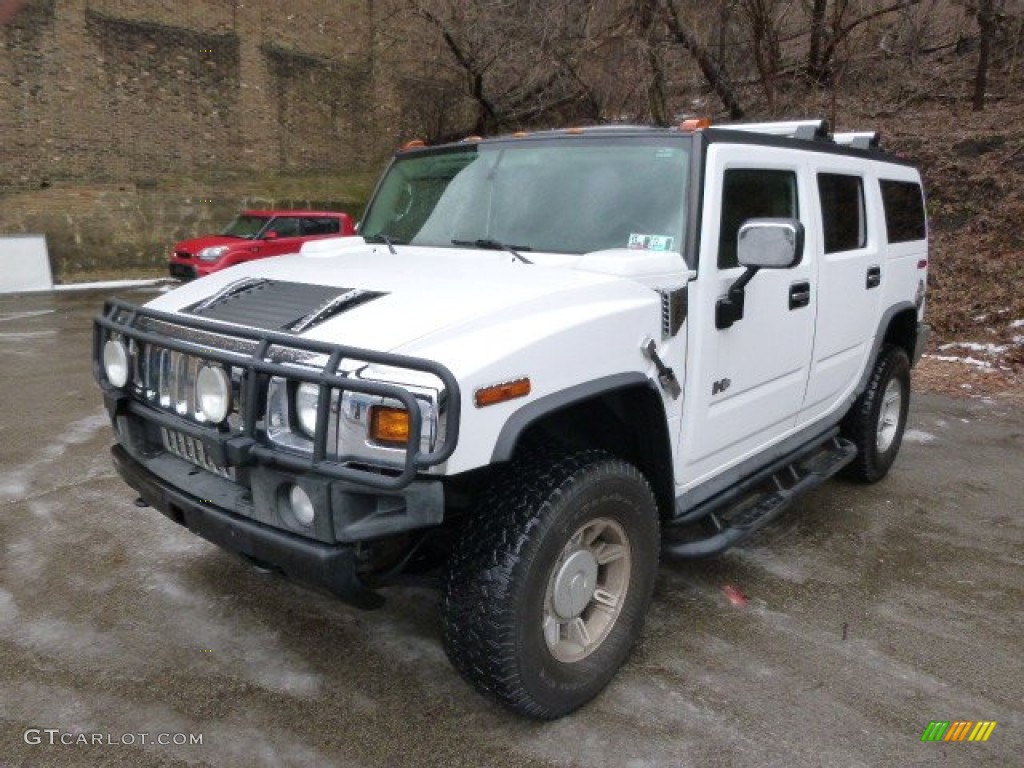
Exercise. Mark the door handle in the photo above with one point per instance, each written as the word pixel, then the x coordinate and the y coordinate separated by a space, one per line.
pixel 874 277
pixel 799 295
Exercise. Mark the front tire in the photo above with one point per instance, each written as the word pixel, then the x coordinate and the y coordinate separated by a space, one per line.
pixel 550 583
pixel 878 418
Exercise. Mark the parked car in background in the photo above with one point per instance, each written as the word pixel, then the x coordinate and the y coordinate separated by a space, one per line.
pixel 256 235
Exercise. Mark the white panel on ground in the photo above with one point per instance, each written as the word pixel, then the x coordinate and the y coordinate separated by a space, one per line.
pixel 24 264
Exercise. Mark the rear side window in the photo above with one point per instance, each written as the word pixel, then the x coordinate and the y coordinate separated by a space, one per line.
pixel 842 212
pixel 753 194
pixel 321 226
pixel 904 211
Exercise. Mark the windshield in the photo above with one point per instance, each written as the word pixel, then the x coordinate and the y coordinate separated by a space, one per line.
pixel 245 226
pixel 557 197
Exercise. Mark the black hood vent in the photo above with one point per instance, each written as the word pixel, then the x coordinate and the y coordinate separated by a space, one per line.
pixel 276 305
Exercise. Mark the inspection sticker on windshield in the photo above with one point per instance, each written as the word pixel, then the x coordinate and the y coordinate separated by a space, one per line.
pixel 651 242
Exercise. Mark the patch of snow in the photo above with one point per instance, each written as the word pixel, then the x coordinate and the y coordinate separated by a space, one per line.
pixel 76 433
pixel 26 315
pixel 983 365
pixel 987 349
pixel 1018 339
pixel 919 436
pixel 13 486
pixel 8 608
pixel 104 284
pixel 25 335
pixel 1017 323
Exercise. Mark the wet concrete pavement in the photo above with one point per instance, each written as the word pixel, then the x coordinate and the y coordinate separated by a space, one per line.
pixel 864 613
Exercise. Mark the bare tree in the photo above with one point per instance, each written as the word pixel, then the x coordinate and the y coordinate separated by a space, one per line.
pixel 646 24
pixel 985 13
pixel 709 66
pixel 520 61
pixel 831 24
pixel 763 18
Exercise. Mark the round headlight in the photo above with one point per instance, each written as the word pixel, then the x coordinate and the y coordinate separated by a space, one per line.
pixel 213 393
pixel 302 505
pixel 307 398
pixel 115 362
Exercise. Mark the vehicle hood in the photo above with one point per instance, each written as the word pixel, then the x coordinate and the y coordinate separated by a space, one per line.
pixel 197 244
pixel 427 295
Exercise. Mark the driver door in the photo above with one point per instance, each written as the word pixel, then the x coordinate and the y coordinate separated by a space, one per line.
pixel 745 383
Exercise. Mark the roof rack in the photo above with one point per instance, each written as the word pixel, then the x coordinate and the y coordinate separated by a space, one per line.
pixel 859 140
pixel 794 129
pixel 813 130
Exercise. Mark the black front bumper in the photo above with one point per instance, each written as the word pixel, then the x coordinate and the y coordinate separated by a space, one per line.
pixel 328 566
pixel 182 271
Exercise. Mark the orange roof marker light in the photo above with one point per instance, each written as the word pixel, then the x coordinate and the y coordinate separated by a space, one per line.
pixel 695 124
pixel 473 138
pixel 575 131
pixel 520 134
pixel 414 144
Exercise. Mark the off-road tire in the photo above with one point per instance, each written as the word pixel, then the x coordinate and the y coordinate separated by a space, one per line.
pixel 497 593
pixel 867 419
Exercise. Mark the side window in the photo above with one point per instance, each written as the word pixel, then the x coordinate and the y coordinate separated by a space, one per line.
pixel 753 194
pixel 321 226
pixel 286 226
pixel 904 211
pixel 842 212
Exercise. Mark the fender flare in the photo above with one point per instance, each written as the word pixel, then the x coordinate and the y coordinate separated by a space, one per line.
pixel 534 411
pixel 883 326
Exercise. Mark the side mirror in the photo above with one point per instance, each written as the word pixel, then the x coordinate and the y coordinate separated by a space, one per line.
pixel 770 243
pixel 760 244
pixel 271 235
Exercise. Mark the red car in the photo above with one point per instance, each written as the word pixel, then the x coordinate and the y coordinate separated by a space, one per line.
pixel 256 235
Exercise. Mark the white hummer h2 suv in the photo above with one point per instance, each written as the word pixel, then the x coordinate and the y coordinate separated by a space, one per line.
pixel 547 359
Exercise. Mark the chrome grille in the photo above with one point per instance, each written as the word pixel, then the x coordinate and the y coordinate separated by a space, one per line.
pixel 167 379
pixel 193 450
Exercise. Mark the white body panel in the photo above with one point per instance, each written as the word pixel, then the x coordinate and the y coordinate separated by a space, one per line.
pixel 765 356
pixel 485 316
pixel 848 310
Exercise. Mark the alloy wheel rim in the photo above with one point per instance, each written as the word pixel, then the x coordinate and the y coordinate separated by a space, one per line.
pixel 586 589
pixel 889 416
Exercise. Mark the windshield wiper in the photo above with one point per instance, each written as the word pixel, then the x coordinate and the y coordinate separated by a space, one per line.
pixel 380 237
pixel 494 245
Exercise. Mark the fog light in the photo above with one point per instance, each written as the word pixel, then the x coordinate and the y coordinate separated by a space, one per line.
pixel 307 398
pixel 302 506
pixel 213 393
pixel 115 363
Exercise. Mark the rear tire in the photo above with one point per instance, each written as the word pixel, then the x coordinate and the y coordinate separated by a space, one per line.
pixel 549 586
pixel 878 418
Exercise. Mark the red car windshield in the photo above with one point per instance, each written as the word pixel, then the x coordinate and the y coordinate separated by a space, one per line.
pixel 246 226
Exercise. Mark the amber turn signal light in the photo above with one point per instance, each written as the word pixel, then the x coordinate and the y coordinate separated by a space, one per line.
pixel 499 393
pixel 389 425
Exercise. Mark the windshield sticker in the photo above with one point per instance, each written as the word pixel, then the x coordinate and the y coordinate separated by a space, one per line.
pixel 651 242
